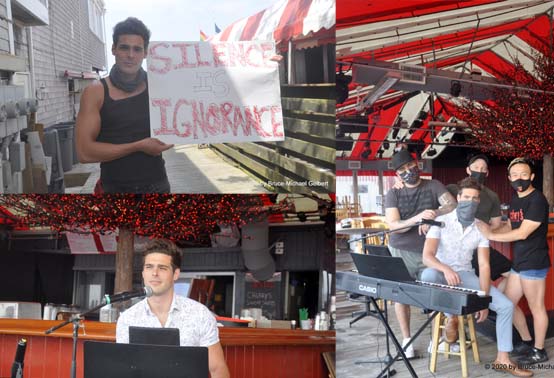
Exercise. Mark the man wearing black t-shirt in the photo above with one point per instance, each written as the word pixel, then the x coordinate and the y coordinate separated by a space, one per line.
pixel 113 125
pixel 527 228
pixel 404 207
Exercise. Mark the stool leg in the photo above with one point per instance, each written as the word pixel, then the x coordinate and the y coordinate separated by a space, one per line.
pixel 446 344
pixel 434 349
pixel 462 340
pixel 473 338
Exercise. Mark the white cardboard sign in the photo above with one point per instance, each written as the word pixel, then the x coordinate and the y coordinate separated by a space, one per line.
pixel 213 92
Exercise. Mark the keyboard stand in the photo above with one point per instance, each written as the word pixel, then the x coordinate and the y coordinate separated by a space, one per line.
pixel 359 315
pixel 400 352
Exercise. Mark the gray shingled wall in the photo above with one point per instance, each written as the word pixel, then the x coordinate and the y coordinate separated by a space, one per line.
pixel 57 49
pixel 4 44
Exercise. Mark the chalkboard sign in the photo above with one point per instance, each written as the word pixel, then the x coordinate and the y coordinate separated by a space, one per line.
pixel 265 295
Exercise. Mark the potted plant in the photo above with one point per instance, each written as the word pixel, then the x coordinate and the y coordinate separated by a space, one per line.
pixel 305 323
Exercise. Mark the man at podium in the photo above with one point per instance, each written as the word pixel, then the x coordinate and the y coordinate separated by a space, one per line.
pixel 197 326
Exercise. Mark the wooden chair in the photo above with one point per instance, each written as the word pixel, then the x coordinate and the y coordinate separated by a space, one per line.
pixel 465 342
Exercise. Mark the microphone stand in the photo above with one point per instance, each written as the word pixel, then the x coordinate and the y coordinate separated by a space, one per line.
pixel 75 319
pixel 383 233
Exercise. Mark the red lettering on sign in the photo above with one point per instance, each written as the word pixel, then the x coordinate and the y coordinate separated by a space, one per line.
pixel 253 116
pixel 276 124
pixel 186 125
pixel 201 63
pixel 226 123
pixel 238 121
pixel 236 55
pixel 184 56
pixel 252 60
pixel 191 117
pixel 198 118
pixel 163 103
pixel 213 120
pixel 219 53
pixel 153 52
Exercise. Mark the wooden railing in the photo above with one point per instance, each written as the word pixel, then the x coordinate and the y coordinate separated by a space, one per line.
pixel 305 161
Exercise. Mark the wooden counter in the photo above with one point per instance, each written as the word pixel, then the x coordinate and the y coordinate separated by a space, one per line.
pixel 249 352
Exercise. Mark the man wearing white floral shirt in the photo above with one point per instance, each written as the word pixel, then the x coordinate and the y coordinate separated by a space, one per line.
pixel 448 252
pixel 197 326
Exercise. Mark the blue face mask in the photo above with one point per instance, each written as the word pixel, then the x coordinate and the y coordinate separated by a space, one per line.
pixel 466 212
pixel 411 176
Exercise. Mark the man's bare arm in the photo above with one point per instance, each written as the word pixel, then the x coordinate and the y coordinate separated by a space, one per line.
pixel 392 217
pixel 447 204
pixel 216 358
pixel 88 129
pixel 483 259
pixel 521 233
pixel 496 223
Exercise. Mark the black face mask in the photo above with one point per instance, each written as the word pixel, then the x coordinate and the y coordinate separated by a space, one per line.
pixel 479 176
pixel 411 176
pixel 521 185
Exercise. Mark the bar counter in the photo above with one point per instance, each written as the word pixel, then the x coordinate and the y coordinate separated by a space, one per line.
pixel 249 352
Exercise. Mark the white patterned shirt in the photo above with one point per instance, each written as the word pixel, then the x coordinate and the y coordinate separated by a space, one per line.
pixel 197 326
pixel 456 245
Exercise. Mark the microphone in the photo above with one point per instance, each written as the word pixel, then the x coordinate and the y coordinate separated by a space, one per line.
pixel 126 295
pixel 431 222
pixel 17 367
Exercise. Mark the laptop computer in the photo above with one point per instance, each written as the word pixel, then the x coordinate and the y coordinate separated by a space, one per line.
pixel 383 267
pixel 154 336
pixel 105 359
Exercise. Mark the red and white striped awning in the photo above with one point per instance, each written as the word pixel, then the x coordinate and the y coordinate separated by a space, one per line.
pixel 297 20
pixel 446 36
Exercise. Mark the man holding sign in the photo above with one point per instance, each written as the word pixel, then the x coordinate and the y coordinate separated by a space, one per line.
pixel 113 125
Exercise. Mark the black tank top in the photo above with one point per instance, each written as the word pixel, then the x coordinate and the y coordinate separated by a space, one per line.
pixel 125 121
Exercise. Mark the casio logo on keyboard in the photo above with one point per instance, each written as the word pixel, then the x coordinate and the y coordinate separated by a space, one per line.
pixel 369 289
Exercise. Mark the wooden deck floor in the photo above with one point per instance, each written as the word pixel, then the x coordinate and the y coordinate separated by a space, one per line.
pixel 366 340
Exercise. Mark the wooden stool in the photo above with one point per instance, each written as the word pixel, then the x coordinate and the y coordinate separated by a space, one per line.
pixel 438 324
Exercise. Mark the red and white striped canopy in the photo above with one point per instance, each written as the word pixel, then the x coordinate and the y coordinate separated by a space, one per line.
pixel 286 20
pixel 447 36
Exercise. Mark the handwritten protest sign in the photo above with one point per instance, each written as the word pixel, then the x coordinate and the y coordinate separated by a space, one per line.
pixel 211 92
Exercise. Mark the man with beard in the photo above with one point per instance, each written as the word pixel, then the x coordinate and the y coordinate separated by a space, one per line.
pixel 448 252
pixel 113 125
pixel 527 228
pixel 417 200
